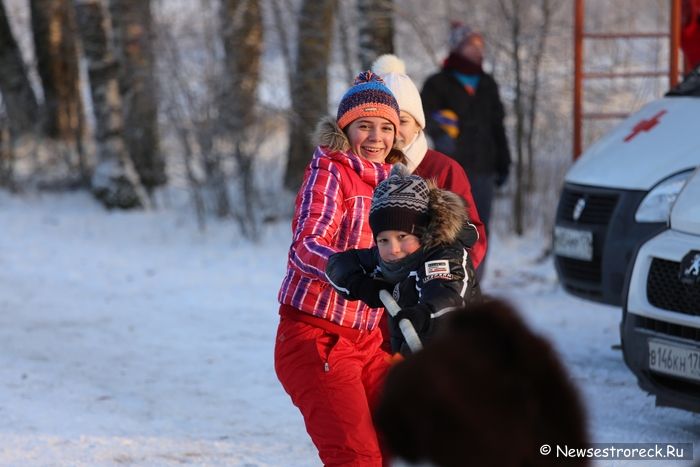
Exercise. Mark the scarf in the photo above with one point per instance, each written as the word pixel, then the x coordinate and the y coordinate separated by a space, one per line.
pixel 465 71
pixel 455 62
pixel 397 271
pixel 415 151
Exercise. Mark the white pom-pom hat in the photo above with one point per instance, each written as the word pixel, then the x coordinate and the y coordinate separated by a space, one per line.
pixel 393 71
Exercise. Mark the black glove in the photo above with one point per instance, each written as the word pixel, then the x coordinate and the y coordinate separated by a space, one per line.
pixel 501 178
pixel 365 288
pixel 342 265
pixel 346 274
pixel 418 315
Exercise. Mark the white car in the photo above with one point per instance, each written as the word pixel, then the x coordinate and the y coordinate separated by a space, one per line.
pixel 660 326
pixel 620 191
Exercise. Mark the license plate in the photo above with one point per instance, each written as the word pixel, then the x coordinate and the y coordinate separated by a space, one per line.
pixel 573 243
pixel 674 360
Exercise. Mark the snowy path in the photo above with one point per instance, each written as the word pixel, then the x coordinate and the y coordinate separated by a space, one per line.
pixel 132 339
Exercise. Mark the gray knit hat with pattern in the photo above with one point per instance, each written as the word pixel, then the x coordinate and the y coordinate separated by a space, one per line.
pixel 400 203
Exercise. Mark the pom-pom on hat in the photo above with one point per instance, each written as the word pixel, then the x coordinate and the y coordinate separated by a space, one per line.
pixel 401 202
pixel 393 71
pixel 368 97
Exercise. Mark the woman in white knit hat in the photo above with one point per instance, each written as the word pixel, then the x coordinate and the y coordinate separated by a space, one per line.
pixel 424 162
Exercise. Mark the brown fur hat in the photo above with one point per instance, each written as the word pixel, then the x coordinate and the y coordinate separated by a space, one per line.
pixel 487 392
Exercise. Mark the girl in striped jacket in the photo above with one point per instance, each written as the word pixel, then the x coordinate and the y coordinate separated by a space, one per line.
pixel 328 352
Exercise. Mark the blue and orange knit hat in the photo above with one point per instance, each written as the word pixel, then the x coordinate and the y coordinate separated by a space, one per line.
pixel 368 97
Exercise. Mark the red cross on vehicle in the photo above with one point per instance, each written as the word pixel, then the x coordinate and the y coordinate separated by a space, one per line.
pixel 645 125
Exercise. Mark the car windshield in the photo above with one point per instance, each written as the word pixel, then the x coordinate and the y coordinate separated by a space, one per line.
pixel 690 86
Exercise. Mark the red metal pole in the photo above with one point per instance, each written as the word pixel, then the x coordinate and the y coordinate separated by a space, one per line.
pixel 675 42
pixel 625 35
pixel 578 75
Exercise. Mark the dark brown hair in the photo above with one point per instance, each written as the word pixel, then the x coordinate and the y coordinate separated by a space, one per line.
pixel 487 392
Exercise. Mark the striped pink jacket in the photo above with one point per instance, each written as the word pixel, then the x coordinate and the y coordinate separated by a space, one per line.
pixel 331 215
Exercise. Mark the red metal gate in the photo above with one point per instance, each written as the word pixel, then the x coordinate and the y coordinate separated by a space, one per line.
pixel 580 36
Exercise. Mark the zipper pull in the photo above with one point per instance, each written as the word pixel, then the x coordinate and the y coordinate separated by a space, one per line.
pixel 326 367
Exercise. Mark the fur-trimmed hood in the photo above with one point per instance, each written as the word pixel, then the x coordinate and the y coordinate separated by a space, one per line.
pixel 328 134
pixel 448 217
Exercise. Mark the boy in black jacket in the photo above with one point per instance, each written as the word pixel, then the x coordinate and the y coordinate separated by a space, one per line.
pixel 422 235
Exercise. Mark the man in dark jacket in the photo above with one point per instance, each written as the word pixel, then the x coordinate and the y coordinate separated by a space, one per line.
pixel 465 117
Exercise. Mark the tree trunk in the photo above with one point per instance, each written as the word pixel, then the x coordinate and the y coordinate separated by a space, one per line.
pixel 133 29
pixel 114 180
pixel 242 34
pixel 279 24
pixel 309 88
pixel 6 155
pixel 17 94
pixel 376 32
pixel 55 45
pixel 512 14
pixel 343 24
pixel 533 101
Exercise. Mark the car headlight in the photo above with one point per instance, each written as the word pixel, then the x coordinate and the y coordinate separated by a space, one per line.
pixel 656 205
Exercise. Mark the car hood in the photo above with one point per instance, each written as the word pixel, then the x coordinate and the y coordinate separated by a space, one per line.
pixel 638 159
pixel 685 215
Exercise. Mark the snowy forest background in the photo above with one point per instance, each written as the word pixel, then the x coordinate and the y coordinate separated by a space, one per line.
pixel 217 98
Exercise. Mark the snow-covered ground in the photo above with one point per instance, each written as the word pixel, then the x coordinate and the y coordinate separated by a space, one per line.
pixel 134 339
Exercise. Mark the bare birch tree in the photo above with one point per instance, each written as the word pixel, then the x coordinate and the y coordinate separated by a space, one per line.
pixel 56 50
pixel 533 101
pixel 528 25
pixel 376 32
pixel 17 94
pixel 512 14
pixel 309 87
pixel 189 118
pixel 216 116
pixel 114 180
pixel 133 31
pixel 344 23
pixel 281 9
pixel 242 35
pixel 6 154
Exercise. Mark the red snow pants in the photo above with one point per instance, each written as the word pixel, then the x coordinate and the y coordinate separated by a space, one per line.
pixel 333 375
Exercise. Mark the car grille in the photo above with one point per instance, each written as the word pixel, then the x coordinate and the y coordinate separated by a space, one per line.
pixel 585 276
pixel 666 291
pixel 599 206
pixel 588 271
pixel 670 329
